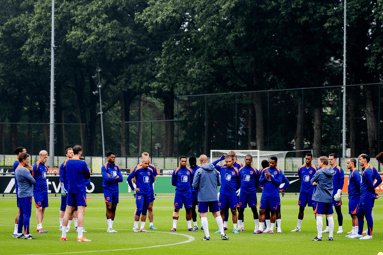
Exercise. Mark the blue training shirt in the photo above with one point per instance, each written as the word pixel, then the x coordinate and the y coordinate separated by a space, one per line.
pixel 111 183
pixel 40 171
pixel 15 165
pixel 182 179
pixel 63 175
pixel 230 179
pixel 194 171
pixel 367 189
pixel 154 169
pixel 271 184
pixel 249 180
pixel 78 173
pixel 354 183
pixel 144 180
pixel 306 174
pixel 338 179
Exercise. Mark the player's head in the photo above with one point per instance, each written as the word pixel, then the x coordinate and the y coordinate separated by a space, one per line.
pixel 232 153
pixel 20 150
pixel 364 159
pixel 351 163
pixel 77 150
pixel 111 157
pixel 273 162
pixel 145 162
pixel 43 154
pixel 192 161
pixel 308 158
pixel 69 152
pixel 202 159
pixel 24 159
pixel 379 157
pixel 332 159
pixel 322 161
pixel 144 154
pixel 248 160
pixel 229 160
pixel 265 164
pixel 183 161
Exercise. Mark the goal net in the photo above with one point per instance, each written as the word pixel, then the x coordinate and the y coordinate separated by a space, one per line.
pixel 287 160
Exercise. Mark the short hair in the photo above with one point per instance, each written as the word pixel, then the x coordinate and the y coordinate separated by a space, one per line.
pixel 192 160
pixel 379 157
pixel 229 157
pixel 77 149
pixel 333 154
pixel 353 161
pixel 183 157
pixel 18 150
pixel 145 154
pixel 203 158
pixel 324 160
pixel 82 158
pixel 274 158
pixel 145 159
pixel 68 149
pixel 110 153
pixel 232 153
pixel 365 156
pixel 309 155
pixel 23 156
pixel 249 156
pixel 43 152
pixel 265 163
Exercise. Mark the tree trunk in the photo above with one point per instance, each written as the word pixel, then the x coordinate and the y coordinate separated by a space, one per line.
pixel 250 125
pixel 140 117
pixel 372 122
pixel 63 147
pixel 317 146
pixel 299 131
pixel 257 101
pixel 123 137
pixel 29 136
pixel 169 125
pixel 352 126
pixel 13 137
pixel 93 112
pixel 2 132
pixel 79 90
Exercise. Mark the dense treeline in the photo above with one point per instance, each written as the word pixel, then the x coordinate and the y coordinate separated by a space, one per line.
pixel 150 52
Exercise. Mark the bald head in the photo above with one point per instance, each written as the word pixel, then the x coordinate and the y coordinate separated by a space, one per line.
pixel 202 159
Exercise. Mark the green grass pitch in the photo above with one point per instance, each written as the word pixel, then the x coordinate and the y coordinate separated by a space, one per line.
pixel 161 241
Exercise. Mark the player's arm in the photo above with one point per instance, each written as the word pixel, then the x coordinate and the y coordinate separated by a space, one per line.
pixel 377 177
pixel 277 181
pixel 29 177
pixel 262 178
pixel 174 178
pixel 196 179
pixel 256 178
pixel 62 173
pixel 315 178
pixel 356 177
pixel 130 177
pixel 341 179
pixel 218 160
pixel 105 175
pixel 299 173
pixel 286 181
pixel 218 178
pixel 119 176
pixel 34 170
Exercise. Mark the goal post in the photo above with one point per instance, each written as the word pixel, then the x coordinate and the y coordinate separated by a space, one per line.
pixel 240 154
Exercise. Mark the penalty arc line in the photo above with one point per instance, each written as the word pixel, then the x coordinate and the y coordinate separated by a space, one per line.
pixel 190 239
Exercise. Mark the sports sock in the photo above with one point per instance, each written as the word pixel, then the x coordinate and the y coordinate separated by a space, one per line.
pixel 75 222
pixel 299 225
pixel 224 224
pixel 234 225
pixel 79 232
pixel 205 225
pixel 16 229
pixel 356 230
pixel 111 224
pixel 279 221
pixel 108 221
pixel 195 223
pixel 340 228
pixel 219 223
pixel 189 224
pixel 61 222
pixel 142 224
pixel 353 230
pixel 69 222
pixel 135 224
pixel 175 223
pixel 256 224
pixel 63 231
pixel 261 226
pixel 240 223
pixel 39 226
pixel 267 224
pixel 319 226
pixel 331 226
pixel 150 224
pixel 272 226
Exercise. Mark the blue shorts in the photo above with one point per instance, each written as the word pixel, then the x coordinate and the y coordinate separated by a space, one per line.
pixel 142 203
pixel 111 196
pixel 204 207
pixel 152 197
pixel 17 201
pixel 41 199
pixel 181 199
pixel 366 204
pixel 323 208
pixel 63 203
pixel 247 199
pixel 270 202
pixel 305 199
pixel 228 201
pixel 353 204
pixel 76 199
pixel 194 196
pixel 337 203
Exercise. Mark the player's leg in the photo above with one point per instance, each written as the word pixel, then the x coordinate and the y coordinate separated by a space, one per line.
pixel 139 207
pixel 338 210
pixel 108 206
pixel 114 209
pixel 27 212
pixel 151 214
pixel 178 201
pixel 16 228
pixel 302 204
pixel 256 218
pixel 20 222
pixel 279 220
pixel 81 204
pixel 367 209
pixel 62 210
pixel 68 211
pixel 144 212
pixel 188 202
pixel 214 208
pixel 267 218
pixel 319 220
pixel 194 213
pixel 233 202
pixel 242 203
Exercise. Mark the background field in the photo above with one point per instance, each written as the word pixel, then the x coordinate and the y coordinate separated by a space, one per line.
pixel 126 241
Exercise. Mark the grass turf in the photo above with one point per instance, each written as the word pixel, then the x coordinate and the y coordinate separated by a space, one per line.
pixel 126 241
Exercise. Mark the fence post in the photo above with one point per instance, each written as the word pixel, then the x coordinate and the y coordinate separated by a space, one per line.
pixel 379 103
pixel 268 121
pixel 236 122
pixel 206 127
pixel 303 128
